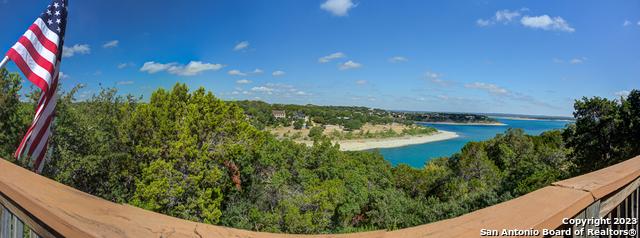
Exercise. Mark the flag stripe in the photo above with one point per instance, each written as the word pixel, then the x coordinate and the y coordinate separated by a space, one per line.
pixel 49 35
pixel 37 149
pixel 23 66
pixel 41 59
pixel 41 47
pixel 34 67
pixel 38 165
pixel 40 128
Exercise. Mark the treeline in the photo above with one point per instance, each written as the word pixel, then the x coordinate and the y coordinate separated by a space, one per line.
pixel 447 117
pixel 190 155
pixel 351 118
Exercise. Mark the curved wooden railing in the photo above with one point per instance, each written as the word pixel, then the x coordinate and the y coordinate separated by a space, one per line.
pixel 50 209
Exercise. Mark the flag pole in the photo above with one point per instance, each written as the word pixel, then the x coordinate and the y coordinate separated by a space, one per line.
pixel 4 62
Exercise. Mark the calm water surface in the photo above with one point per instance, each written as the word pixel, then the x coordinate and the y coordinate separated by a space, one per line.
pixel 417 155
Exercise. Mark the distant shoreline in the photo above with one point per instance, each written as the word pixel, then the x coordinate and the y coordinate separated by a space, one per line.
pixel 467 123
pixel 532 119
pixel 378 143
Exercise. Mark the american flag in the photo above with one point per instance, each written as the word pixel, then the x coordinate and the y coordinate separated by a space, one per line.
pixel 37 54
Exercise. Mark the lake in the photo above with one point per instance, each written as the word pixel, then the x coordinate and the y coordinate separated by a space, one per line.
pixel 417 155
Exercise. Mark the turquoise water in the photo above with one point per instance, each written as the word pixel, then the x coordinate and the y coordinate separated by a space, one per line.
pixel 417 155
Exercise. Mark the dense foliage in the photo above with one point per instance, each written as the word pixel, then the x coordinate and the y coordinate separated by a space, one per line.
pixel 606 131
pixel 193 156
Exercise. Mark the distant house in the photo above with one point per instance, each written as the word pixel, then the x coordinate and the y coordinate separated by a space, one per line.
pixel 278 114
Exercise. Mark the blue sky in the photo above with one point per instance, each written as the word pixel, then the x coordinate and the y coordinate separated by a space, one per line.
pixel 528 57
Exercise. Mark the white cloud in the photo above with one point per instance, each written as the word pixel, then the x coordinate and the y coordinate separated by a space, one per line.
pixel 241 46
pixel 350 65
pixel 506 16
pixel 124 65
pixel 328 58
pixel 623 93
pixel 398 59
pixel 111 44
pixel 545 22
pixel 436 78
pixel 263 89
pixel 626 23
pixel 361 82
pixel 257 71
pixel 638 23
pixel 491 88
pixel 503 16
pixel 577 60
pixel 338 7
pixel 153 67
pixel 278 73
pixel 243 81
pixel 82 49
pixel 124 83
pixel 191 69
pixel 63 75
pixel 236 72
pixel 279 90
pixel 483 22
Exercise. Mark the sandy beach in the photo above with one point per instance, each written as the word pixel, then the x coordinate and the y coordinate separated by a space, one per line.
pixel 367 144
pixel 469 123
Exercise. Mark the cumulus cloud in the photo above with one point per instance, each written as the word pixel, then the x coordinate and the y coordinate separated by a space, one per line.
pixel 241 46
pixel 544 22
pixel 81 49
pixel 627 23
pixel 547 23
pixel 278 73
pixel 491 88
pixel 506 15
pixel 257 71
pixel 191 69
pixel 361 82
pixel 243 81
pixel 398 59
pixel 111 44
pixel 328 58
pixel 503 16
pixel 236 72
pixel 350 65
pixel 338 7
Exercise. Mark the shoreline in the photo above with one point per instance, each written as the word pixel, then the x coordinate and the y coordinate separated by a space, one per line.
pixel 466 123
pixel 368 144
pixel 532 119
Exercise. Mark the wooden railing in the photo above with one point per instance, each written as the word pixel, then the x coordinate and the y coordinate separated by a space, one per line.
pixel 34 206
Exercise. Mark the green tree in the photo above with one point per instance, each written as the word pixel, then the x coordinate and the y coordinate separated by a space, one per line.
pixel 595 136
pixel 13 113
